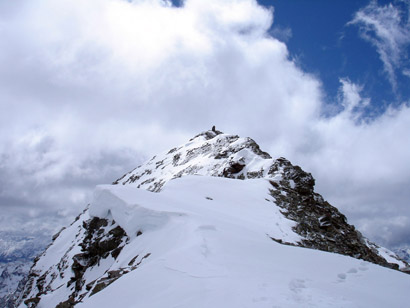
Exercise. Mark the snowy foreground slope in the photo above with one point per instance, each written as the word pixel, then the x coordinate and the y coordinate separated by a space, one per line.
pixel 214 241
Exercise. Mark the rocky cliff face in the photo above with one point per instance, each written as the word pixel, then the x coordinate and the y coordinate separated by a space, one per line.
pixel 96 241
pixel 84 258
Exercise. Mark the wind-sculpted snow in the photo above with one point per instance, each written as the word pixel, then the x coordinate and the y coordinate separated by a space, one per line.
pixel 122 205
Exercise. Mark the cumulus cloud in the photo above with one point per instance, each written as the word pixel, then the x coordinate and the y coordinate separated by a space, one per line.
pixel 362 166
pixel 387 28
pixel 89 89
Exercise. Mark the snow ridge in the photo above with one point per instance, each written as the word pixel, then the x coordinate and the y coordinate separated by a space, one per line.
pixel 210 153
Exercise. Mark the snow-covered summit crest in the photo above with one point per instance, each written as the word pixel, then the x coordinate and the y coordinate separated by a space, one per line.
pixel 212 153
pixel 216 154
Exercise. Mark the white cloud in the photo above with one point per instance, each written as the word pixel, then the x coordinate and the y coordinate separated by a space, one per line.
pixel 386 28
pixel 91 88
pixel 283 34
pixel 362 166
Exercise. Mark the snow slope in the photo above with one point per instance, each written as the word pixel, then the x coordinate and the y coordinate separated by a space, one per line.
pixel 206 242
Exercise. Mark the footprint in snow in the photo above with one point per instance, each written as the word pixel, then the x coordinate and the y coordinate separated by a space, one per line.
pixel 207 227
pixel 341 276
pixel 296 285
pixel 259 299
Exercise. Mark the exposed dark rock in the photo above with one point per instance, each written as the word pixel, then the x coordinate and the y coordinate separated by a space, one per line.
pixel 222 154
pixel 255 174
pixel 112 276
pixel 96 246
pixel 209 134
pixel 102 238
pixel 133 260
pixel 32 302
pixel 321 225
pixel 176 159
pixel 233 168
pixel 67 304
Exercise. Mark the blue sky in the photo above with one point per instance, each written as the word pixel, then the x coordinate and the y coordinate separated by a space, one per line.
pixel 321 40
pixel 324 43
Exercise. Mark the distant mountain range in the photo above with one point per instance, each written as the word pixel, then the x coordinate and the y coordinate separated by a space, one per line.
pixel 403 253
pixel 17 252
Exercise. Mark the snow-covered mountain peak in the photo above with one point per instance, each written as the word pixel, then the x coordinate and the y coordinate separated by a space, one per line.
pixel 317 224
pixel 213 153
pixel 215 222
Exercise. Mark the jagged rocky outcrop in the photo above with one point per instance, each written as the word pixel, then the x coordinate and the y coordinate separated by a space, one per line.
pixel 97 244
pixel 320 224
pixel 98 249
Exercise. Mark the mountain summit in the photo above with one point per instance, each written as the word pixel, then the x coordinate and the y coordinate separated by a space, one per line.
pixel 216 222
pixel 213 153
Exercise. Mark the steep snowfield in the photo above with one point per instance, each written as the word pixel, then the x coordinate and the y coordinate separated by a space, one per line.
pixel 205 242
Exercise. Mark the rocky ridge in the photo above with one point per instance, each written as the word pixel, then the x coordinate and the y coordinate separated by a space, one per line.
pixel 96 241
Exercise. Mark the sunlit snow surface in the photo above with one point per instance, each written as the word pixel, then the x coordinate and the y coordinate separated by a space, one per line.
pixel 210 246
